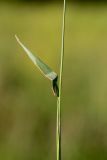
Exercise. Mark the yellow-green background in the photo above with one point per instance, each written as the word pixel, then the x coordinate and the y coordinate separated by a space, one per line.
pixel 27 105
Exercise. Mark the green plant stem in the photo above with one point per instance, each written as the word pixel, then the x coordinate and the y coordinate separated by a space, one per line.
pixel 58 134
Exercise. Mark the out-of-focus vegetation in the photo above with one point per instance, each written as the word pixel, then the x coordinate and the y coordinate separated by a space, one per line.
pixel 27 107
pixel 45 1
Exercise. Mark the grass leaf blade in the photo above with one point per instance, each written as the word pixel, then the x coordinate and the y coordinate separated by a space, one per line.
pixel 44 68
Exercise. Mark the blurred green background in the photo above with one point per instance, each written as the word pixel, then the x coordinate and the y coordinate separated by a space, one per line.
pixel 27 106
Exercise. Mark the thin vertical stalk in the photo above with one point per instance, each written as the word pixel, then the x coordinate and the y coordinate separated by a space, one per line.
pixel 58 134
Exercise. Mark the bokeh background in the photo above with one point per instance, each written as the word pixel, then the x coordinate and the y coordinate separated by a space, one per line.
pixel 27 105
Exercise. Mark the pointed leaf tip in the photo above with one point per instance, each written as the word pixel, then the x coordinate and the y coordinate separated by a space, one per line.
pixel 16 37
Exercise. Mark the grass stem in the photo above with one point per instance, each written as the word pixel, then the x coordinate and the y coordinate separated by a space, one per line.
pixel 58 134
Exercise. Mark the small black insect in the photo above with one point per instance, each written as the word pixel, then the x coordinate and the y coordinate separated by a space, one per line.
pixel 55 87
